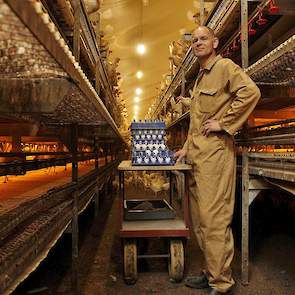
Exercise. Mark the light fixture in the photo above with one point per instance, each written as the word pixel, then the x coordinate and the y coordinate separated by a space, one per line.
pixel 140 48
pixel 136 107
pixel 138 91
pixel 139 74
pixel 136 99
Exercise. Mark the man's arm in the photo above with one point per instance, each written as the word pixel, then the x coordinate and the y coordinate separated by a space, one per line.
pixel 246 95
pixel 179 155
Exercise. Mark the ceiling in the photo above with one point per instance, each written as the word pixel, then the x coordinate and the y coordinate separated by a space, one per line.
pixel 156 23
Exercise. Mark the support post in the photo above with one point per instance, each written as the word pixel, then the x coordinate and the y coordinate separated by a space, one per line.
pixel 245 217
pixel 74 150
pixel 97 79
pixel 244 33
pixel 96 155
pixel 16 147
pixel 77 28
pixel 96 200
pixel 75 243
pixel 106 155
pixel 202 13
pixel 182 83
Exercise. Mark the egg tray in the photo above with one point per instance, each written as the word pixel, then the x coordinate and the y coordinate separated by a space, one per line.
pixel 148 209
pixel 148 125
pixel 134 139
pixel 153 164
pixel 161 154
pixel 152 145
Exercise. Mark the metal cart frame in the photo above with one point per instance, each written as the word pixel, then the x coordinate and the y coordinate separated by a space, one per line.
pixel 177 229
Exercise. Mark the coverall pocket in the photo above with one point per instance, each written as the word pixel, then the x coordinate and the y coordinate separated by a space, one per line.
pixel 208 100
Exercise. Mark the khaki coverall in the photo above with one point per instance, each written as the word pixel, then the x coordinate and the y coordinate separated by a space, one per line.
pixel 225 93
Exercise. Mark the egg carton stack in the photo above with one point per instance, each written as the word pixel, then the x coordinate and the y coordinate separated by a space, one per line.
pixel 149 144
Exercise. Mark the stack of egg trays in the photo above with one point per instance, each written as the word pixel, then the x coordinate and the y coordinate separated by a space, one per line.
pixel 149 145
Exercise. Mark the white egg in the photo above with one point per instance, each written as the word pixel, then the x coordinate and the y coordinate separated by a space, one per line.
pixel 150 146
pixel 153 160
pixel 155 152
pixel 160 159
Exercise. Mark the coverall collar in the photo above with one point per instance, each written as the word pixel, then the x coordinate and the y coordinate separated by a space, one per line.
pixel 209 66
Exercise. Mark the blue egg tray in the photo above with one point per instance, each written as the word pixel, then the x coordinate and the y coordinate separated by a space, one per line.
pixel 148 125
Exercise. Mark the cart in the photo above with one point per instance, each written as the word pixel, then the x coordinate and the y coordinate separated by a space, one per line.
pixel 175 230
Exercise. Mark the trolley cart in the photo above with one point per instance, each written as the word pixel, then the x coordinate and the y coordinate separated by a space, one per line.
pixel 175 230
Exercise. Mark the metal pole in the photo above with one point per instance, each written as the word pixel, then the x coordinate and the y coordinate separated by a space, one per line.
pixel 74 147
pixel 245 217
pixel 170 187
pixel 244 34
pixel 96 200
pixel 202 13
pixel 182 83
pixel 75 243
pixel 77 28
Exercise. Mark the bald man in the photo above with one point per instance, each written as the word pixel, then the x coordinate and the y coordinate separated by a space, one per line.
pixel 223 98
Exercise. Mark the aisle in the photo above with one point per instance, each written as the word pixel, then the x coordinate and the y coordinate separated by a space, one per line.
pixel 100 272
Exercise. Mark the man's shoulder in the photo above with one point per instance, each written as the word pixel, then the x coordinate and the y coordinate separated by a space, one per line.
pixel 227 62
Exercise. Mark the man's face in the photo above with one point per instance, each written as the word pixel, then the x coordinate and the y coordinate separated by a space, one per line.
pixel 203 43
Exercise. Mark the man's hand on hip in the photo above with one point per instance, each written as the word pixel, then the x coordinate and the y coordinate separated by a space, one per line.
pixel 179 155
pixel 209 126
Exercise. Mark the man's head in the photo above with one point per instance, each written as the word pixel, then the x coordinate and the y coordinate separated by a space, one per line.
pixel 204 42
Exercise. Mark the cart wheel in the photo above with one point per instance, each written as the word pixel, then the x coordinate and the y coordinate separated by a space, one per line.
pixel 130 261
pixel 176 260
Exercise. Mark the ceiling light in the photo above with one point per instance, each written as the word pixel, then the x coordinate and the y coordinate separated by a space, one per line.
pixel 140 48
pixel 136 107
pixel 145 2
pixel 139 74
pixel 136 99
pixel 138 91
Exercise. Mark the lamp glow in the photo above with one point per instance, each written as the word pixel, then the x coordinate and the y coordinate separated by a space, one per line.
pixel 136 99
pixel 138 91
pixel 139 74
pixel 140 48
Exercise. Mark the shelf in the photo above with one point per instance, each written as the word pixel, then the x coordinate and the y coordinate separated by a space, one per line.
pixel 126 166
pixel 143 225
pixel 83 107
pixel 276 67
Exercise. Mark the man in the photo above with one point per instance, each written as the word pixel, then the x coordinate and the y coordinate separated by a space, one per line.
pixel 223 98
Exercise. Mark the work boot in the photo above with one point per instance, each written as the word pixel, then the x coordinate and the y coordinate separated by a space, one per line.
pixel 197 282
pixel 213 291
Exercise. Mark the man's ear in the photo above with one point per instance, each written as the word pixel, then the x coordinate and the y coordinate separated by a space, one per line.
pixel 215 42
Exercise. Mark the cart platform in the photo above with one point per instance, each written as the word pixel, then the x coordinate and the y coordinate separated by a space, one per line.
pixel 176 230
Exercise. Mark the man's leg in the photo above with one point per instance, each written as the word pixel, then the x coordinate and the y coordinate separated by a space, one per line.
pixel 197 281
pixel 216 196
